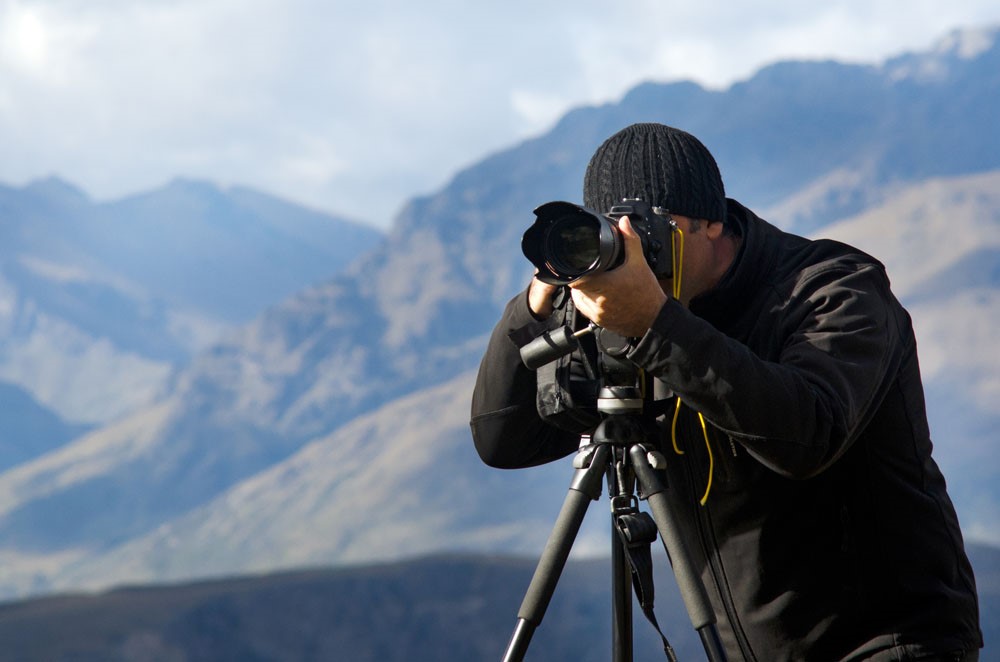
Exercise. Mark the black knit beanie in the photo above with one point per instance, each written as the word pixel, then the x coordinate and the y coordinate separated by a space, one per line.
pixel 662 165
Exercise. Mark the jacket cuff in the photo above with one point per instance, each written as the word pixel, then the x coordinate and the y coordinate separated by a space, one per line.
pixel 521 322
pixel 651 345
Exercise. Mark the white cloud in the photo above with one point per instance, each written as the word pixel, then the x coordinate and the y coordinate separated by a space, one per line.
pixel 536 108
pixel 24 40
pixel 356 106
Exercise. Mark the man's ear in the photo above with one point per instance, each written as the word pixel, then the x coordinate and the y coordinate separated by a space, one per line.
pixel 714 229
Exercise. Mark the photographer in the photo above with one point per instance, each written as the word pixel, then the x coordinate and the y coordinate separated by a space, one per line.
pixel 798 451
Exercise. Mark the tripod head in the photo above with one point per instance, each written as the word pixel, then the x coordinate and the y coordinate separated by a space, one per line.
pixel 619 383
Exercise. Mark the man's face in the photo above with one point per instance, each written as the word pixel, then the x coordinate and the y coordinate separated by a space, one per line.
pixel 700 264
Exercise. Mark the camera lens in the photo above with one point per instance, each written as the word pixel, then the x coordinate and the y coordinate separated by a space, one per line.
pixel 567 242
pixel 573 244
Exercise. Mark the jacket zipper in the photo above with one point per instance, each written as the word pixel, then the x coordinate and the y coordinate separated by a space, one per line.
pixel 715 562
pixel 711 549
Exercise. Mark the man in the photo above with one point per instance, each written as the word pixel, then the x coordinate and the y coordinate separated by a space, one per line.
pixel 826 532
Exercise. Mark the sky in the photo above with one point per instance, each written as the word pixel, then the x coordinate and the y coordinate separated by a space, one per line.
pixel 355 107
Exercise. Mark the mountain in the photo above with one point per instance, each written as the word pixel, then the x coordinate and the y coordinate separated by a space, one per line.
pixel 390 464
pixel 332 427
pixel 28 429
pixel 400 481
pixel 99 302
pixel 453 607
pixel 225 253
pixel 438 608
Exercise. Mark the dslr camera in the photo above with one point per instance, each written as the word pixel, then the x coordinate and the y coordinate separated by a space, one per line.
pixel 567 242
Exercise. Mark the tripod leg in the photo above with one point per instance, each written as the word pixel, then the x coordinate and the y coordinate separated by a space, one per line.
pixel 621 486
pixel 688 578
pixel 621 596
pixel 586 487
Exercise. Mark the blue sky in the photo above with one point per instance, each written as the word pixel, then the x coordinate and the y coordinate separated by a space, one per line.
pixel 354 107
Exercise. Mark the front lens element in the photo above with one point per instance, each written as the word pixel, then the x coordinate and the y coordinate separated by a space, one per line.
pixel 573 244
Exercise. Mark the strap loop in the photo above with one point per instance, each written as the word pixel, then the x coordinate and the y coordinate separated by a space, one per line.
pixel 637 531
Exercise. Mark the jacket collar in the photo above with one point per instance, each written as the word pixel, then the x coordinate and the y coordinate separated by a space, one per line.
pixel 746 275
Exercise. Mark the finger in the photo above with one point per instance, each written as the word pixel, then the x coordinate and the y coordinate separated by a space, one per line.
pixel 542 287
pixel 540 298
pixel 633 244
pixel 582 303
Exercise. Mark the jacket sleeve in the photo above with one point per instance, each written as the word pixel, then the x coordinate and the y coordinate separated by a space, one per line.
pixel 506 428
pixel 840 335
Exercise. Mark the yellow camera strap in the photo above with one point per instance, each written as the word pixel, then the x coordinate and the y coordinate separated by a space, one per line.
pixel 677 254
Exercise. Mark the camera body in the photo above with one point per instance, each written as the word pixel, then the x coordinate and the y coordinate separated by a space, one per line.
pixel 567 241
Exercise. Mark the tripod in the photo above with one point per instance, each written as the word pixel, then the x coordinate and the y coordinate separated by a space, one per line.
pixel 619 449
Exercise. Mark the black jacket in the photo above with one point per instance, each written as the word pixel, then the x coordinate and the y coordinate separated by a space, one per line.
pixel 828 533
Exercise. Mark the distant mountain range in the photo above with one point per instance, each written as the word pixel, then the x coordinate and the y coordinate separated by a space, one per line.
pixel 100 302
pixel 436 609
pixel 332 427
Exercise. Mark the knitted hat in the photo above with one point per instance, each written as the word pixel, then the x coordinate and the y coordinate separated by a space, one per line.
pixel 662 165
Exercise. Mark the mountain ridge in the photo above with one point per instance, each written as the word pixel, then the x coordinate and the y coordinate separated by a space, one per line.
pixel 98 290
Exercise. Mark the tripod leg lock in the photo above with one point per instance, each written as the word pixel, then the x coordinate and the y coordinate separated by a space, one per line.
pixel 584 457
pixel 656 459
